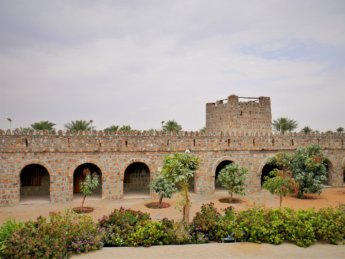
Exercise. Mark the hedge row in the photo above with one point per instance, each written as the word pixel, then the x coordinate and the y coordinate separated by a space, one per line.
pixel 68 233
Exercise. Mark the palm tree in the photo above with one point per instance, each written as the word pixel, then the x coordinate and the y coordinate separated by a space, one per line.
pixel 43 125
pixel 171 126
pixel 340 130
pixel 112 128
pixel 79 125
pixel 284 124
pixel 126 128
pixel 306 130
pixel 23 130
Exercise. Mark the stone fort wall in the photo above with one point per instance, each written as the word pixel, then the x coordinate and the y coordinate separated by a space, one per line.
pixel 62 152
pixel 239 114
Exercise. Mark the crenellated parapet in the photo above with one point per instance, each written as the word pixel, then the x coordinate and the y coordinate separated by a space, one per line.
pixel 158 141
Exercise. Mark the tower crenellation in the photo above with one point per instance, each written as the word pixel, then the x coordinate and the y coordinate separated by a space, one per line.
pixel 245 114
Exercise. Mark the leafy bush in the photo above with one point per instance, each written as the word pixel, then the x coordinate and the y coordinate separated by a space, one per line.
pixel 6 231
pixel 66 233
pixel 147 234
pixel 205 221
pixel 119 225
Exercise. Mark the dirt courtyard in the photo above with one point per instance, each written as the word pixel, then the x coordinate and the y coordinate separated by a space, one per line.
pixel 31 209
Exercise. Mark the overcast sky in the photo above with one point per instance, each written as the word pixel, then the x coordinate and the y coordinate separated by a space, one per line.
pixel 143 62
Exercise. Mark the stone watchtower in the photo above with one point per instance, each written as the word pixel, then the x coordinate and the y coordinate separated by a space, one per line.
pixel 239 114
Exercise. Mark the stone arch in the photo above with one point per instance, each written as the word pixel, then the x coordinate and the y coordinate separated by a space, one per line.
pixel 35 181
pixel 265 168
pixel 330 171
pixel 136 178
pixel 80 169
pixel 216 164
pixel 220 166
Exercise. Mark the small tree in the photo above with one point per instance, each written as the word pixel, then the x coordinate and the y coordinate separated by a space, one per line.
pixel 308 167
pixel 112 128
pixel 280 183
pixel 179 168
pixel 232 177
pixel 163 187
pixel 88 186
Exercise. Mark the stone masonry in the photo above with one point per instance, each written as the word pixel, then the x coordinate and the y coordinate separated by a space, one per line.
pixel 233 115
pixel 62 152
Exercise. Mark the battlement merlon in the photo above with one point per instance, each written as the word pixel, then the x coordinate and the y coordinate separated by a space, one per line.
pixel 237 100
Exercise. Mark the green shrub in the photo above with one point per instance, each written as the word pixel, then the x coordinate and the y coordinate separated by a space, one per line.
pixel 226 225
pixel 205 221
pixel 6 231
pixel 119 225
pixel 66 233
pixel 148 233
pixel 329 225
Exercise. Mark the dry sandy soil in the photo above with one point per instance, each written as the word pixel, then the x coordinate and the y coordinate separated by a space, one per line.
pixel 31 209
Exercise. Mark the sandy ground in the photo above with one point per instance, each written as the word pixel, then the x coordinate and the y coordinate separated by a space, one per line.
pixel 213 250
pixel 31 209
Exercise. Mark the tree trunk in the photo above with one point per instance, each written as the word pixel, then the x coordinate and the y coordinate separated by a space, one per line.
pixel 186 207
pixel 160 200
pixel 231 197
pixel 82 203
pixel 280 201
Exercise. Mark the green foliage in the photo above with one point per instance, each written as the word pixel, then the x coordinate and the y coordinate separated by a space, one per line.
pixel 171 126
pixel 120 224
pixel 163 187
pixel 43 125
pixel 6 230
pixel 89 184
pixel 179 169
pixel 206 220
pixel 149 233
pixel 66 233
pixel 284 124
pixel 340 130
pixel 280 183
pixel 308 166
pixel 79 125
pixel 22 130
pixel 203 130
pixel 126 128
pixel 232 177
pixel 306 130
pixel 112 128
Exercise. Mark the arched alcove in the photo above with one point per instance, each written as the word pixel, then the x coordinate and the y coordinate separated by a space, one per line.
pixel 34 183
pixel 79 175
pixel 266 171
pixel 136 179
pixel 219 167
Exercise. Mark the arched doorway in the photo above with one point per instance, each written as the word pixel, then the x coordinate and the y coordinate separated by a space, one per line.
pixel 220 166
pixel 266 171
pixel 136 179
pixel 79 175
pixel 329 169
pixel 34 183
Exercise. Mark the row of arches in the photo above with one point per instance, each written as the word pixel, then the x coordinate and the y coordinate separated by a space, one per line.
pixel 35 179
